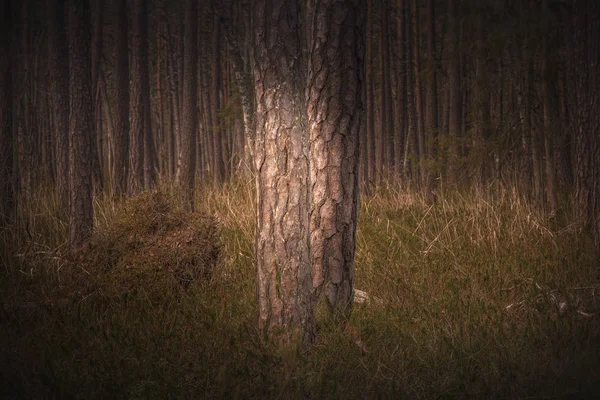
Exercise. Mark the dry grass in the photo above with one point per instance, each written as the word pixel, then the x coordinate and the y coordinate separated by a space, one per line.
pixel 478 295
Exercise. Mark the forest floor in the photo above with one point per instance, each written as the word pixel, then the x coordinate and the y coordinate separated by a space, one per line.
pixel 475 296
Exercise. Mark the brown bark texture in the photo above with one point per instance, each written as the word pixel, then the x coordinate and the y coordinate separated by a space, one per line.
pixel 335 114
pixel 284 285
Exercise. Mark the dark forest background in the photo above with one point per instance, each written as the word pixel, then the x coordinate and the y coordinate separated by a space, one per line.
pixel 459 94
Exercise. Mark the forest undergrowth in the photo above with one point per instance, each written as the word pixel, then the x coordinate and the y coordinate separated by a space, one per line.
pixel 475 296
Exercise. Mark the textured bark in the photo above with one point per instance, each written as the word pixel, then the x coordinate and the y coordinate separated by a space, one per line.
pixel 335 113
pixel 190 102
pixel 7 192
pixel 58 67
pixel 284 285
pixel 121 132
pixel 81 128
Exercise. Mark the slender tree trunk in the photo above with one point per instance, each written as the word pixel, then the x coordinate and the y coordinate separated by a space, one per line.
pixel 121 132
pixel 137 109
pixel 97 21
pixel 190 102
pixel 58 67
pixel 401 109
pixel 431 107
pixel 454 88
pixel 219 170
pixel 81 127
pixel 584 104
pixel 7 192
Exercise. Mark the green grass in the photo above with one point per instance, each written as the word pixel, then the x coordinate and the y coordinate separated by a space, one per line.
pixel 465 301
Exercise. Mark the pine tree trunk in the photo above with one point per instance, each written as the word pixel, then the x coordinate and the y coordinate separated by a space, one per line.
pixel 284 285
pixel 7 192
pixel 81 127
pixel 190 102
pixel 58 67
pixel 335 113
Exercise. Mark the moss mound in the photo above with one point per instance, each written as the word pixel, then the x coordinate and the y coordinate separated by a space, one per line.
pixel 152 246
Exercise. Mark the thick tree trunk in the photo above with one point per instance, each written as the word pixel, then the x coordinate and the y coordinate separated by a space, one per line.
pixel 81 127
pixel 190 102
pixel 335 112
pixel 284 285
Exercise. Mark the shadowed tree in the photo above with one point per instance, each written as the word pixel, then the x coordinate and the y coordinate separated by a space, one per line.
pixel 58 68
pixel 190 102
pixel 335 114
pixel 81 128
pixel 7 193
pixel 121 125
pixel 141 145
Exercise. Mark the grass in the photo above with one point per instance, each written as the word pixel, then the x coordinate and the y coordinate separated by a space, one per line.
pixel 477 295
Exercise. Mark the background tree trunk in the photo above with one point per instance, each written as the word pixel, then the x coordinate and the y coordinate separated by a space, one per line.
pixel 58 68
pixel 190 103
pixel 81 128
pixel 7 196
pixel 121 133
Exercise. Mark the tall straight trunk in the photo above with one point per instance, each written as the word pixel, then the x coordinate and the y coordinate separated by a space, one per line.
pixel 282 237
pixel 121 131
pixel 81 128
pixel 335 112
pixel 551 124
pixel 386 116
pixel 431 107
pixel 137 110
pixel 58 67
pixel 190 102
pixel 401 109
pixel 7 192
pixel 454 88
pixel 97 43
pixel 219 168
pixel 242 75
pixel 417 93
pixel 148 136
pixel 481 100
pixel 371 171
pixel 584 106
